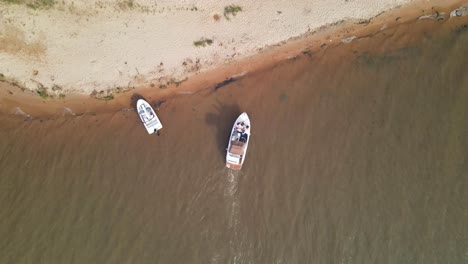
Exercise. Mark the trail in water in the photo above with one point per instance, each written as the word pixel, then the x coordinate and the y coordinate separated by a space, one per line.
pixel 232 210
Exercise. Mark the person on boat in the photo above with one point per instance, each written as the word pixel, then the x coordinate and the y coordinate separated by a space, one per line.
pixel 243 137
pixel 241 127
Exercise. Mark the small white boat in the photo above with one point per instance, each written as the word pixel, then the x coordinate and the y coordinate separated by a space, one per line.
pixel 148 117
pixel 238 142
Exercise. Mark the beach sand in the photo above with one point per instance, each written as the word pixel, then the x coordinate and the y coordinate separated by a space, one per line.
pixel 114 49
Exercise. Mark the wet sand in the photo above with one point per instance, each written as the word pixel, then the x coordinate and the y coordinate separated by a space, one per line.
pixel 359 160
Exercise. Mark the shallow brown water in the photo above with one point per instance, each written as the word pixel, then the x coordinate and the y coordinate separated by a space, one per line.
pixel 352 161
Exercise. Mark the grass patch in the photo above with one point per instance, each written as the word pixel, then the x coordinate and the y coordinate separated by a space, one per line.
pixel 40 4
pixel 42 92
pixel 120 90
pixel 231 10
pixel 11 1
pixel 203 42
pixel 34 4
pixel 307 52
pixel 56 87
pixel 107 97
pixel 129 3
pixel 2 77
pixel 61 96
pixel 126 4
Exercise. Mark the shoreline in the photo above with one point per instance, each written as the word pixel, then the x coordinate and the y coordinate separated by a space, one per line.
pixel 435 15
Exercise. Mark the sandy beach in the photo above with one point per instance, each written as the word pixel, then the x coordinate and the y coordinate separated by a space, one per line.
pixel 103 49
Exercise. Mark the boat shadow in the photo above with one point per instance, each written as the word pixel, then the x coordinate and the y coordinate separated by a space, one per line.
pixel 133 100
pixel 155 104
pixel 222 120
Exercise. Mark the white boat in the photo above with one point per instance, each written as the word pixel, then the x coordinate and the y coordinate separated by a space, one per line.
pixel 238 142
pixel 148 117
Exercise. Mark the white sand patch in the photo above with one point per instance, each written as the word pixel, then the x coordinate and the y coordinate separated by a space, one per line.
pixel 98 45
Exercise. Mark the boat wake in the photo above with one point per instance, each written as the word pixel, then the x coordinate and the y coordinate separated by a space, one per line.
pixel 232 211
pixel 231 197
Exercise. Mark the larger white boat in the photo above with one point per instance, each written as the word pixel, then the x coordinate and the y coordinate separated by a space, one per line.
pixel 238 142
pixel 148 117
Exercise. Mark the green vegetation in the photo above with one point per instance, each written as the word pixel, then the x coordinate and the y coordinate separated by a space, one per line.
pixel 42 92
pixel 12 1
pixel 126 4
pixel 107 97
pixel 129 3
pixel 56 87
pixel 307 52
pixel 102 96
pixel 38 4
pixel 120 90
pixel 163 84
pixel 203 42
pixel 231 10
pixel 34 4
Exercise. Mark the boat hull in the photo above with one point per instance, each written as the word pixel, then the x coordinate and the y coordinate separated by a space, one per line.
pixel 238 142
pixel 148 117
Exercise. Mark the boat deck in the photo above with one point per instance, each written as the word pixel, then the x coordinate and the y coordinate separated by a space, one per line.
pixel 237 147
